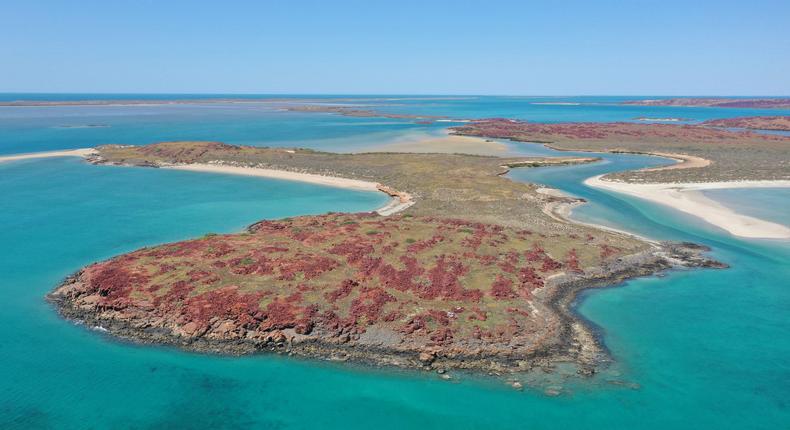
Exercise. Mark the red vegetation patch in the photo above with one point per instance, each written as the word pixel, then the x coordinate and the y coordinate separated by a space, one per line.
pixel 346 287
pixel 369 304
pixel 310 266
pixel 445 283
pixel 338 274
pixel 225 303
pixel 114 284
pixel 608 251
pixel 572 261
pixel 422 245
pixel 502 288
pixel 279 315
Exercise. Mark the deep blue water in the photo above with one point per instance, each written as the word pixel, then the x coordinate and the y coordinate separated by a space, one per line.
pixel 695 349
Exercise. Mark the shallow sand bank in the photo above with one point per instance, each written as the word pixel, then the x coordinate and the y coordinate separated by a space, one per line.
pixel 399 202
pixel 562 210
pixel 686 197
pixel 448 144
pixel 82 152
pixel 330 181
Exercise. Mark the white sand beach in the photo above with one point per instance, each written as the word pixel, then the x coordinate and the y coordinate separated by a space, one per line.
pixel 399 202
pixel 686 197
pixel 683 162
pixel 82 152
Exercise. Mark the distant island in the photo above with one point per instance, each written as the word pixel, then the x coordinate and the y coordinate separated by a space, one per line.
pixel 780 123
pixel 755 103
pixel 215 100
pixel 469 270
pixel 357 112
pixel 653 119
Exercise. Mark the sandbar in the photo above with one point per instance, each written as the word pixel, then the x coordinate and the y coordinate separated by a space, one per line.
pixel 399 201
pixel 82 152
pixel 687 198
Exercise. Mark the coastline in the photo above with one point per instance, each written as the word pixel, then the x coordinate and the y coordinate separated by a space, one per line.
pixel 686 198
pixel 329 181
pixel 399 200
pixel 561 209
pixel 81 152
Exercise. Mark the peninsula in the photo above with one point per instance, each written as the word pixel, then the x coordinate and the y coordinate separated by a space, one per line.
pixel 474 271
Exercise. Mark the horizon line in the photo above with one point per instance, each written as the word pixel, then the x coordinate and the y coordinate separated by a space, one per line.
pixel 380 94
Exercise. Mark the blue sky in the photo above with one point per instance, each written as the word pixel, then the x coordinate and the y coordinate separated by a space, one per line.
pixel 397 47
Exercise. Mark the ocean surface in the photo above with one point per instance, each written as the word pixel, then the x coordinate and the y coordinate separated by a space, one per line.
pixel 693 349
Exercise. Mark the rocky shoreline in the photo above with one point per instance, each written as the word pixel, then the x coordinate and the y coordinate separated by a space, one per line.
pixel 576 343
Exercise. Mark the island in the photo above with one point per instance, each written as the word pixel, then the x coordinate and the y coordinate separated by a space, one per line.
pixel 725 102
pixel 467 269
pixel 359 112
pixel 779 123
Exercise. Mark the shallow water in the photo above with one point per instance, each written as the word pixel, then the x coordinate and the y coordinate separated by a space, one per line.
pixel 695 349
pixel 758 202
pixel 33 129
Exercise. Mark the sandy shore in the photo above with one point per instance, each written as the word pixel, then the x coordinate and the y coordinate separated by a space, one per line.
pixel 399 202
pixel 562 210
pixel 447 144
pixel 683 162
pixel 82 152
pixel 686 197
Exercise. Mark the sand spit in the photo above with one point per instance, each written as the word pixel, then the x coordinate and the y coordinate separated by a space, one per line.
pixel 686 197
pixel 82 152
pixel 683 162
pixel 399 202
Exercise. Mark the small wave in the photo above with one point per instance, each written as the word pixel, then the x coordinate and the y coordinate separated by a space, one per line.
pixel 660 119
pixel 84 126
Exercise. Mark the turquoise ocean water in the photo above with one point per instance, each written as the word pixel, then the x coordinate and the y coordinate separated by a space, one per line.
pixel 695 349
